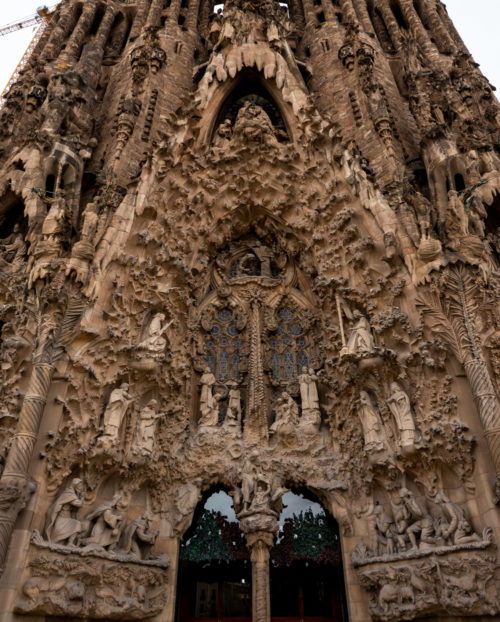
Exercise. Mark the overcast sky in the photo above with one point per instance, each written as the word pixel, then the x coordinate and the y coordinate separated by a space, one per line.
pixel 476 20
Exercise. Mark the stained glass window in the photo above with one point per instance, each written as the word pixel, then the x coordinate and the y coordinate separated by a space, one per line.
pixel 303 361
pixel 223 346
pixel 236 366
pixel 275 365
pixel 223 365
pixel 288 365
pixel 288 353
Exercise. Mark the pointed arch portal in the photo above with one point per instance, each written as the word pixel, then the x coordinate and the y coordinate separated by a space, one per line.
pixel 305 573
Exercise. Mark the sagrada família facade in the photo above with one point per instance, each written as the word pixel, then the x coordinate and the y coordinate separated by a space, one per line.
pixel 250 248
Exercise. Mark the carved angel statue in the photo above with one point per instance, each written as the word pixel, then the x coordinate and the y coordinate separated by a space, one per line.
pixel 145 432
pixel 63 527
pixel 114 414
pixel 361 339
pixel 154 342
pixel 399 405
pixel 106 524
pixel 373 430
pixel 137 538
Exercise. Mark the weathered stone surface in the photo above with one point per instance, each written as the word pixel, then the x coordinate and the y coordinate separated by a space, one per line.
pixel 256 250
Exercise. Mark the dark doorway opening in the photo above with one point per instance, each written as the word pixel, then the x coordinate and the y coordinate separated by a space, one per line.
pixel 215 591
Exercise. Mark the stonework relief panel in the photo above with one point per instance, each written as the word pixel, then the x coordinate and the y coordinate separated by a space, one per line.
pixel 256 250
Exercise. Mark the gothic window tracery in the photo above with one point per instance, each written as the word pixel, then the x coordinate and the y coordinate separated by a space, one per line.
pixel 287 346
pixel 223 346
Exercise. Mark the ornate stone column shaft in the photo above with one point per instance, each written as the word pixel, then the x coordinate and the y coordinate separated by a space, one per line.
pixel 15 488
pixel 260 544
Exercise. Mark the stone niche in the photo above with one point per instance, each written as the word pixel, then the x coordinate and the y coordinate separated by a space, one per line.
pixel 442 582
pixel 66 581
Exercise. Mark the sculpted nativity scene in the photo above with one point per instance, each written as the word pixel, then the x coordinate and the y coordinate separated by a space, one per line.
pixel 250 249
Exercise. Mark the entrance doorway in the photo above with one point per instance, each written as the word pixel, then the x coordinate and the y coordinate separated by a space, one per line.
pixel 215 573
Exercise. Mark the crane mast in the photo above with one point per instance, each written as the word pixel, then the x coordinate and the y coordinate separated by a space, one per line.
pixel 42 17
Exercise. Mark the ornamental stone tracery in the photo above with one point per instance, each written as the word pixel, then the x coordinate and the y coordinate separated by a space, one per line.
pixel 255 250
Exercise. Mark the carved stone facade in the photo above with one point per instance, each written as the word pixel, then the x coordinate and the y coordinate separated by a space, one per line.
pixel 254 249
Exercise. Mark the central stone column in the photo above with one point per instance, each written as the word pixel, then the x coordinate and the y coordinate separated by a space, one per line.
pixel 260 544
pixel 260 529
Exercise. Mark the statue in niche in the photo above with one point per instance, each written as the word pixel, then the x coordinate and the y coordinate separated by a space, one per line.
pixel 423 210
pixel 145 433
pixel 137 538
pixel 154 343
pixel 249 265
pixel 224 134
pixel 308 390
pixel 373 430
pixel 233 413
pixel 209 403
pixel 63 527
pixel 360 340
pixel 254 125
pixel 287 419
pixel 311 417
pixel 56 220
pixel 420 521
pixel 188 497
pixel 457 222
pixel 105 524
pixel 399 405
pixel 114 414
pixel 14 249
pixel 456 529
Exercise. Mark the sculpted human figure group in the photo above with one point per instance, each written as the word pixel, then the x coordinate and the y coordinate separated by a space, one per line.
pixel 410 526
pixel 104 529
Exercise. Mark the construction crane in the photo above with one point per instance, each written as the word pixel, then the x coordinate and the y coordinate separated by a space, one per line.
pixel 42 17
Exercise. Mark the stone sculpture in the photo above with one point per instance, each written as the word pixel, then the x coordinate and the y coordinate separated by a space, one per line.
pixel 286 420
pixel 114 415
pixel 154 343
pixel 421 523
pixel 373 431
pixel 234 402
pixel 180 188
pixel 145 432
pixel 105 525
pixel 399 405
pixel 209 403
pixel 360 341
pixel 63 527
pixel 137 539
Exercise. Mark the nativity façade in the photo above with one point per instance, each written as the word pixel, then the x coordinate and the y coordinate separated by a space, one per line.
pixel 252 249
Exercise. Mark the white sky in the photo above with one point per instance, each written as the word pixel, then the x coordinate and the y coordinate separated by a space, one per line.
pixel 476 20
pixel 294 504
